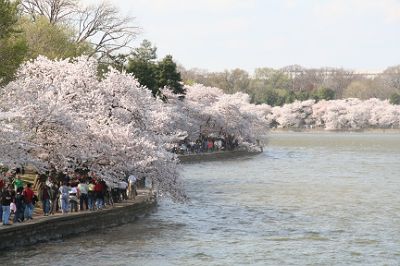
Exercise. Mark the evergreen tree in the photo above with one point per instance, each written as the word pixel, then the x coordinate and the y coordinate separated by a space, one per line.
pixel 8 18
pixel 395 98
pixel 143 66
pixel 168 76
pixel 145 73
pixel 154 75
pixel 146 52
pixel 12 45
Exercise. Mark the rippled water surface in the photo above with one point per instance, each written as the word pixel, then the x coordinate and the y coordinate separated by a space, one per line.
pixel 319 199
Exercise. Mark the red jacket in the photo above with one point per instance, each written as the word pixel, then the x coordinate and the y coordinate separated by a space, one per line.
pixel 98 187
pixel 28 195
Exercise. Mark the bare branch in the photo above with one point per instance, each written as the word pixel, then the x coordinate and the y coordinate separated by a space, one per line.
pixel 105 29
pixel 55 10
pixel 101 25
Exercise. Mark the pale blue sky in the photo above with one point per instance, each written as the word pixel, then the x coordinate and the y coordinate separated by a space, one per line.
pixel 225 34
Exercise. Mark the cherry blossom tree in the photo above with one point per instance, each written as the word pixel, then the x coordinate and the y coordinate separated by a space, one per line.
pixel 208 111
pixel 344 114
pixel 294 115
pixel 69 118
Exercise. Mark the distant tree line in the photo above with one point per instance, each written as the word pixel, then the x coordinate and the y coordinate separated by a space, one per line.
pixel 277 87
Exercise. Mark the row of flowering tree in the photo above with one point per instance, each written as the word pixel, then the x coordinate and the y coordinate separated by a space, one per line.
pixel 344 114
pixel 59 115
pixel 208 111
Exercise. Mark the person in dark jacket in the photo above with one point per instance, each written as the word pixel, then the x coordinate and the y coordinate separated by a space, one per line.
pixel 44 197
pixel 20 204
pixel 54 198
pixel 6 198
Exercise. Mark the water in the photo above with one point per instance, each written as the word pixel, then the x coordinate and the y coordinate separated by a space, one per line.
pixel 309 199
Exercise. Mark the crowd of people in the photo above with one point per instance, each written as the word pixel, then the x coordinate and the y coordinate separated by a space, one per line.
pixel 206 143
pixel 59 194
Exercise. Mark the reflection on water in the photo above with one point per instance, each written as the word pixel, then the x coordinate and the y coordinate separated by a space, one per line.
pixel 310 198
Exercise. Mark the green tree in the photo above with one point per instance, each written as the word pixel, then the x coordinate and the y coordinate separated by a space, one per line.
pixel 302 95
pixel 154 75
pixel 12 44
pixel 238 80
pixel 54 41
pixel 145 73
pixel 362 89
pixel 324 94
pixel 270 86
pixel 290 97
pixel 275 98
pixel 8 18
pixel 395 98
pixel 168 76
pixel 12 54
pixel 142 65
pixel 145 52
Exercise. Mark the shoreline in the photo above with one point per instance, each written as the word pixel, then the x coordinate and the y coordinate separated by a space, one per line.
pixel 49 228
pixel 212 156
pixel 323 131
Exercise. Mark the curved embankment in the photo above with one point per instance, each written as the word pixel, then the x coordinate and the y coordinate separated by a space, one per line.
pixel 43 229
pixel 211 156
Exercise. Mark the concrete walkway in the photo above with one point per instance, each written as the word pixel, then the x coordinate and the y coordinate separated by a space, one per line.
pixel 58 226
pixel 215 156
pixel 38 216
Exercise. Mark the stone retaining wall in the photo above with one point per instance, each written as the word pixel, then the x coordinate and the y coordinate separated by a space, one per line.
pixel 53 228
pixel 211 156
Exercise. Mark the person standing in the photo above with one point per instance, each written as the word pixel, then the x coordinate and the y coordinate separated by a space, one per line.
pixel 44 197
pixel 28 198
pixel 91 195
pixel 2 190
pixel 18 182
pixel 64 196
pixel 122 186
pixel 83 189
pixel 73 198
pixel 20 204
pixel 2 182
pixel 53 197
pixel 132 187
pixel 99 190
pixel 6 199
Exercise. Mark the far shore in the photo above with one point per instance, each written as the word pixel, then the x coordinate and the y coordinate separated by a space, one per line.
pixel 323 131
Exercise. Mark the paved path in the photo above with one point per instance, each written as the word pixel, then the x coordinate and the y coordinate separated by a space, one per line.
pixel 39 217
